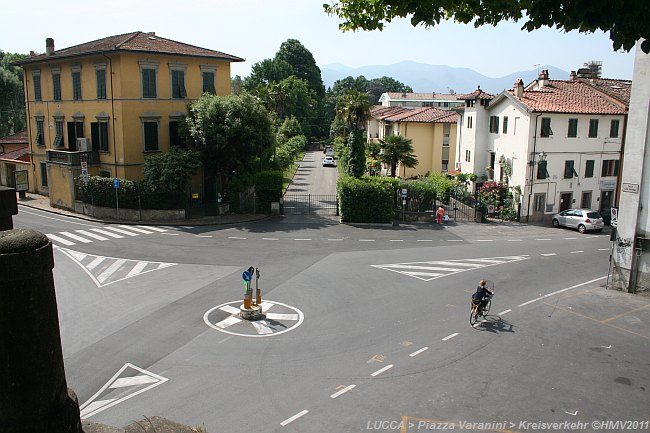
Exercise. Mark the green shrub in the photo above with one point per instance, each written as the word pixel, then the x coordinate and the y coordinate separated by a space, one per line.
pixel 99 191
pixel 268 189
pixel 367 199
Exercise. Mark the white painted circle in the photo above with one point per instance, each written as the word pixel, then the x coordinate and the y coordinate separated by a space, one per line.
pixel 237 303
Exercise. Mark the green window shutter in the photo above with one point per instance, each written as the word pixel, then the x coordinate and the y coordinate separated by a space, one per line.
pixel 72 136
pixel 208 83
pixel 150 136
pixel 103 135
pixel 616 164
pixel 589 169
pixel 573 128
pixel 613 128
pixel 100 74
pixel 94 135
pixel 593 128
pixel 546 127
pixel 149 83
pixel 56 86
pixel 37 87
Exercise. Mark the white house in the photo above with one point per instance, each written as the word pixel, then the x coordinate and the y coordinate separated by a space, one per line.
pixel 559 141
pixel 443 101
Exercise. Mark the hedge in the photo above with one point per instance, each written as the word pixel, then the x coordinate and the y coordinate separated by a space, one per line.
pixel 99 191
pixel 367 199
pixel 268 188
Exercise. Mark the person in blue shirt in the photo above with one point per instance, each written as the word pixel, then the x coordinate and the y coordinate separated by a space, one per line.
pixel 482 294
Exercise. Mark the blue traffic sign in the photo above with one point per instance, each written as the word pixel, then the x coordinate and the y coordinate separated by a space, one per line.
pixel 116 183
pixel 246 276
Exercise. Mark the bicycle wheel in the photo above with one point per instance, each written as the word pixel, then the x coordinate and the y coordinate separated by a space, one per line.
pixel 473 316
pixel 486 309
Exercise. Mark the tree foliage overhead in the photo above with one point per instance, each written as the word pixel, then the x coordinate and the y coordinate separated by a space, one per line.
pixel 12 96
pixel 625 20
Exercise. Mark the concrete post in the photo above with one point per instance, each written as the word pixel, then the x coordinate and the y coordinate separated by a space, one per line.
pixel 8 207
pixel 34 397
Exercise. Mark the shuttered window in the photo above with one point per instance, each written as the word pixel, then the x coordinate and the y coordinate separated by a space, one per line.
pixel 589 168
pixel 100 75
pixel 149 83
pixel 150 136
pixel 208 83
pixel 76 85
pixel 573 128
pixel 56 86
pixel 178 84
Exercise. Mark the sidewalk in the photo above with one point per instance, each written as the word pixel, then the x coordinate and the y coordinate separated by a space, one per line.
pixel 42 202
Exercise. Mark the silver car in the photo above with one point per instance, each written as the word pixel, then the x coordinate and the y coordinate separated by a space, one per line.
pixel 582 219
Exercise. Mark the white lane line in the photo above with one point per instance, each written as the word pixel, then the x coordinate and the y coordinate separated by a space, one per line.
pixel 450 336
pixel 396 240
pixel 136 229
pixel 137 269
pixel 124 232
pixel 110 270
pixel 92 235
pixel 59 239
pixel 187 227
pixel 543 239
pixel 576 252
pixel 592 237
pixel 76 238
pixel 92 265
pixel 303 239
pixel 603 249
pixel 171 234
pixel 343 391
pixel 133 381
pixel 270 239
pixel 381 370
pixel 293 418
pixel 514 240
pixel 156 229
pixel 282 316
pixel 235 237
pixel 335 239
pixel 548 254
pixel 417 352
pixel 425 240
pixel 366 240
pixel 504 312
pixel 454 240
pixel 570 239
pixel 484 240
pixel 561 290
pixel 426 268
pixel 203 236
pixel 111 234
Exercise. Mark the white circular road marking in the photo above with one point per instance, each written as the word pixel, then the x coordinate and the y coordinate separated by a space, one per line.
pixel 282 318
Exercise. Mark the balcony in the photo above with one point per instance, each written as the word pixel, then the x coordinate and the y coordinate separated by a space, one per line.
pixel 71 157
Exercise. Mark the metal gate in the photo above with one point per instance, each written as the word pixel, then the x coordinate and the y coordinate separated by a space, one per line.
pixel 308 204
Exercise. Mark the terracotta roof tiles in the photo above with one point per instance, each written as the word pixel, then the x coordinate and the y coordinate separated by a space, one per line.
pixel 424 115
pixel 17 138
pixel 422 96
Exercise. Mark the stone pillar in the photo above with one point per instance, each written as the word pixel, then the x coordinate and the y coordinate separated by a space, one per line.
pixel 8 207
pixel 34 397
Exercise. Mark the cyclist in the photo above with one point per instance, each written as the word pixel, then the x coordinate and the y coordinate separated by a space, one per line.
pixel 482 295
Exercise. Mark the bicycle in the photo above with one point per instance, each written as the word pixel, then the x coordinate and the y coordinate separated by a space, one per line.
pixel 477 312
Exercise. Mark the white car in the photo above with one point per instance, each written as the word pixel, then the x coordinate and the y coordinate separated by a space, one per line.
pixel 582 219
pixel 328 161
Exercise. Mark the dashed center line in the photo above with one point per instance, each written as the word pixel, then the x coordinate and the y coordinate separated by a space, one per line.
pixel 343 391
pixel 396 240
pixel 548 254
pixel 303 239
pixel 603 249
pixel 484 240
pixel 381 370
pixel 293 418
pixel 570 239
pixel 504 312
pixel 576 252
pixel 454 240
pixel 417 352
pixel 514 240
pixel 425 240
pixel 366 240
pixel 203 236
pixel 449 337
pixel 543 239
pixel 236 237
pixel 270 239
pixel 335 239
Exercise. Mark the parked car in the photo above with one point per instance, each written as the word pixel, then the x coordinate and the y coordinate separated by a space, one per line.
pixel 328 161
pixel 582 219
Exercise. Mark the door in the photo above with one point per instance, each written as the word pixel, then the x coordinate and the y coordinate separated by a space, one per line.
pixel 565 200
pixel 585 203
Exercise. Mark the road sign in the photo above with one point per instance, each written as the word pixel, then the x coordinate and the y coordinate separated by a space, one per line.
pixel 614 221
pixel 116 183
pixel 246 276
pixel 22 180
pixel 403 192
pixel 84 171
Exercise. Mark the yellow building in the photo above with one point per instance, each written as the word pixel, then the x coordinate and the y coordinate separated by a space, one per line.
pixel 108 103
pixel 431 130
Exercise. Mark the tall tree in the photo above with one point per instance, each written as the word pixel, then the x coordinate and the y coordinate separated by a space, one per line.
pixel 626 21
pixel 12 96
pixel 378 86
pixel 266 72
pixel 302 63
pixel 353 109
pixel 397 149
pixel 229 132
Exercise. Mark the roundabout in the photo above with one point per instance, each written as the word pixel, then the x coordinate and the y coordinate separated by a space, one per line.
pixel 279 318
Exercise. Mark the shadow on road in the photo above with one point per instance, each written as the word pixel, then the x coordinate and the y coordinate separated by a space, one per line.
pixel 494 324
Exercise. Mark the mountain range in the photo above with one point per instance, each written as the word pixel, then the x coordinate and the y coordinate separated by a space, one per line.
pixel 425 78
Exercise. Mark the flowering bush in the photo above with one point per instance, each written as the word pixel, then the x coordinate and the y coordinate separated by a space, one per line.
pixel 498 195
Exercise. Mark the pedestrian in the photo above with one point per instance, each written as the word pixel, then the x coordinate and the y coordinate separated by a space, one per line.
pixel 439 214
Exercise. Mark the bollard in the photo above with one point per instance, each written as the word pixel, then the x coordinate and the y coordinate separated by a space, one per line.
pixel 8 207
pixel 258 297
pixel 34 397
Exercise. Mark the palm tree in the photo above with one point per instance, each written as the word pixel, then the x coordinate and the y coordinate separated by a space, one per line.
pixel 397 149
pixel 353 109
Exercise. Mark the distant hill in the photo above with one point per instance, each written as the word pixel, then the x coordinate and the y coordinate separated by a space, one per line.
pixel 436 78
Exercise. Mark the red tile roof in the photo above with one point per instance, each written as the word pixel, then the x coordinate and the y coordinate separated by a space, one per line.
pixel 476 94
pixel 572 97
pixel 136 41
pixel 381 112
pixel 17 138
pixel 424 115
pixel 19 155
pixel 423 96
pixel 617 89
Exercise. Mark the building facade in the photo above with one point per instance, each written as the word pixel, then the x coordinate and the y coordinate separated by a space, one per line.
pixel 443 101
pixel 107 104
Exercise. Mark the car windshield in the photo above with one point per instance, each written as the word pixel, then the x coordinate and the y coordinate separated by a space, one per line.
pixel 593 215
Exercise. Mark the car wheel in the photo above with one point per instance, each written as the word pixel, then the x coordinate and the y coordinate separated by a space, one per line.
pixel 556 223
pixel 582 228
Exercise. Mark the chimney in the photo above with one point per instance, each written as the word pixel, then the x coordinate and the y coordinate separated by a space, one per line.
pixel 49 46
pixel 543 78
pixel 573 76
pixel 519 88
pixel 32 54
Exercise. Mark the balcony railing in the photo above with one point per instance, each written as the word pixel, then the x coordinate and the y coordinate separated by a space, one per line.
pixel 72 158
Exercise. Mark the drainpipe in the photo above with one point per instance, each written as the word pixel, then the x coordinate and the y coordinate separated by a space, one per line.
pixel 29 130
pixel 110 62
pixel 532 169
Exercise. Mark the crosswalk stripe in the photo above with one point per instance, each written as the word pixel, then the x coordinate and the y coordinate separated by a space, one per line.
pixel 426 268
pixel 77 255
pixel 422 274
pixel 135 229
pixel 110 270
pixel 76 238
pixel 156 229
pixel 111 234
pixel 59 239
pixel 92 235
pixel 133 381
pixel 137 269
pixel 464 263
pixel 92 265
pixel 124 232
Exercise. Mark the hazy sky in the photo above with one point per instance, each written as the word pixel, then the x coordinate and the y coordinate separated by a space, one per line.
pixel 254 30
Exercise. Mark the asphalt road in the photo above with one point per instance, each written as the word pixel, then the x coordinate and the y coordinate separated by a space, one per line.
pixel 367 329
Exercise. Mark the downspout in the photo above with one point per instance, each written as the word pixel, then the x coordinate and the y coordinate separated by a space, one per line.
pixel 29 129
pixel 110 62
pixel 532 169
